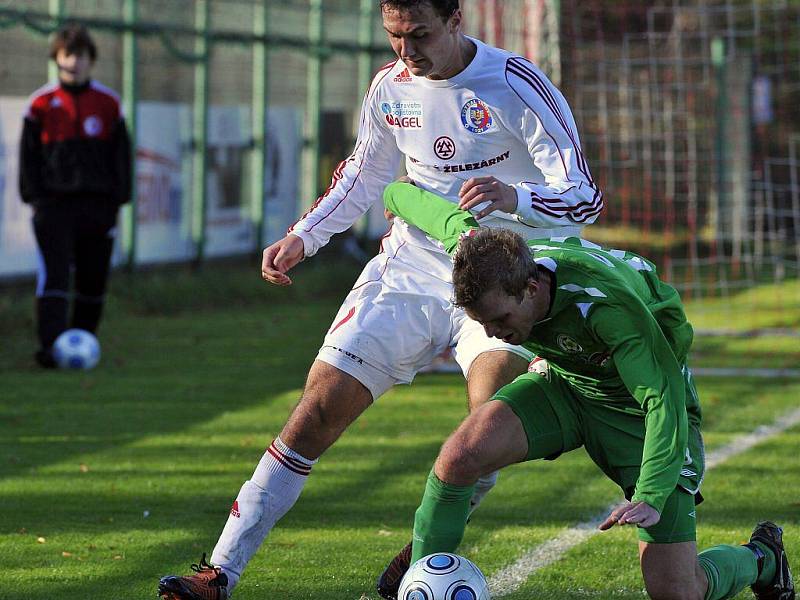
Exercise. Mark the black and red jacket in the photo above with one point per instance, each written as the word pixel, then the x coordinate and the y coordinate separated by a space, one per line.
pixel 74 144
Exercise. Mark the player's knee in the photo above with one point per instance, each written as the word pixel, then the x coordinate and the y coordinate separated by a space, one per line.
pixel 315 415
pixel 328 406
pixel 459 463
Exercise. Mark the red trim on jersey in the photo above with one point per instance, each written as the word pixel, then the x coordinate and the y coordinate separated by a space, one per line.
pixel 385 265
pixel 386 235
pixel 338 172
pixel 583 210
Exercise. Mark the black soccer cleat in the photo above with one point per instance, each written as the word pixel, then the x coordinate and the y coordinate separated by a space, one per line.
pixel 781 587
pixel 389 581
pixel 207 583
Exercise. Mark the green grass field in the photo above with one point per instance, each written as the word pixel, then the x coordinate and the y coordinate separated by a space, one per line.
pixel 111 478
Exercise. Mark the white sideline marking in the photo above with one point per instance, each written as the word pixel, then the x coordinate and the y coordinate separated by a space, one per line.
pixel 511 578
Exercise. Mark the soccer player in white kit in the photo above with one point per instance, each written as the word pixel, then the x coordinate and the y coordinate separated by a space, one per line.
pixel 475 124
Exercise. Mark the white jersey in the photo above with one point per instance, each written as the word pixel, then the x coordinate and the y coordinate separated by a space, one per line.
pixel 500 116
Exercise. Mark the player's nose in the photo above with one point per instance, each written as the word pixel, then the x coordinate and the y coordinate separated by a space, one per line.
pixel 407 49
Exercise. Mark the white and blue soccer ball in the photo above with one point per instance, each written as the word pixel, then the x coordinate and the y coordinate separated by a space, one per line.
pixel 76 349
pixel 443 576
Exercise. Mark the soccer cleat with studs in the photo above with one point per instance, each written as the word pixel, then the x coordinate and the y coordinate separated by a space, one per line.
pixel 208 583
pixel 781 587
pixel 389 581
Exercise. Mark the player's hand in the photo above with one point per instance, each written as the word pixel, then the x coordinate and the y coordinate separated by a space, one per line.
pixel 627 513
pixel 280 257
pixel 487 189
pixel 405 179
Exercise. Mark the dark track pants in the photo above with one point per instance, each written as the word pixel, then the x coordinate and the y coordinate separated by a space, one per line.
pixel 75 233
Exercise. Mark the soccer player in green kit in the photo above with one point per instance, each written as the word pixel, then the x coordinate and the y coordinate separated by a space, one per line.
pixel 615 382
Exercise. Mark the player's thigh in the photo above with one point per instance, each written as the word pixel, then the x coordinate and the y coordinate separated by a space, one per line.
pixel 547 412
pixel 678 522
pixel 392 323
pixel 490 371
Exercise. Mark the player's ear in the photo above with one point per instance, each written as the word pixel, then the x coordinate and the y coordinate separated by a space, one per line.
pixel 532 286
pixel 455 21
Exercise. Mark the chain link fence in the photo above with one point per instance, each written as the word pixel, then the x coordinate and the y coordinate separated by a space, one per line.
pixel 686 109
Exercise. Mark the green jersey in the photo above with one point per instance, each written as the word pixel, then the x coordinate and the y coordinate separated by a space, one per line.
pixel 615 332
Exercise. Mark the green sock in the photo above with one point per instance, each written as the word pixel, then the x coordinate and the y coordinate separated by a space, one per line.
pixel 441 518
pixel 768 571
pixel 730 569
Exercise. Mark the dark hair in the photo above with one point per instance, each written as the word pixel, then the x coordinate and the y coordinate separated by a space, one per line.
pixel 74 39
pixel 491 259
pixel 445 8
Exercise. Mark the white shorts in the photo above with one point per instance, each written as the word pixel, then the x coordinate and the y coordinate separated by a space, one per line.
pixel 398 317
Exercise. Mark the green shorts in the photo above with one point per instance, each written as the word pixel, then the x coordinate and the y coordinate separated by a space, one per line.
pixel 557 419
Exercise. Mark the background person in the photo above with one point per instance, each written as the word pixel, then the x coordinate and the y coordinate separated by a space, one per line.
pixel 75 171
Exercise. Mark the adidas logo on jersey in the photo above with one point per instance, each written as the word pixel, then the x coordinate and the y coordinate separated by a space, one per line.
pixel 235 509
pixel 403 77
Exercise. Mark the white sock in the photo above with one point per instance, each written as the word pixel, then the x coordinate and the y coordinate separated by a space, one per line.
pixel 482 487
pixel 262 501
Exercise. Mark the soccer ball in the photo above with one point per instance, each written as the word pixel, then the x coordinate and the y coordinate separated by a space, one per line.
pixel 443 576
pixel 76 349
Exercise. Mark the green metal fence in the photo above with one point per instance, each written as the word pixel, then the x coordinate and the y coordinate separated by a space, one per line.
pixel 193 51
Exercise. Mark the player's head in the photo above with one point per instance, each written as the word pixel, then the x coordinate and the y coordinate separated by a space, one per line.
pixel 425 34
pixel 74 51
pixel 496 281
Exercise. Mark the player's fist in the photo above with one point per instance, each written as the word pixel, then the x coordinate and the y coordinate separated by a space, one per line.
pixel 489 189
pixel 280 257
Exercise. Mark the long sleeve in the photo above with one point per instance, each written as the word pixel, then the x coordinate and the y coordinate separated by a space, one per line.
pixel 122 163
pixel 568 195
pixel 651 373
pixel 31 162
pixel 357 183
pixel 437 217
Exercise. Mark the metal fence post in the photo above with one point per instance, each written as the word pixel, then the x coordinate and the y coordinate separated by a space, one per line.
pixel 314 100
pixel 56 10
pixel 258 183
pixel 130 94
pixel 366 37
pixel 719 60
pixel 200 130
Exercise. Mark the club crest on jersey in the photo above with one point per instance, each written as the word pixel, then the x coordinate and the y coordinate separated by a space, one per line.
pixel 92 126
pixel 476 116
pixel 567 344
pixel 403 114
pixel 444 147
